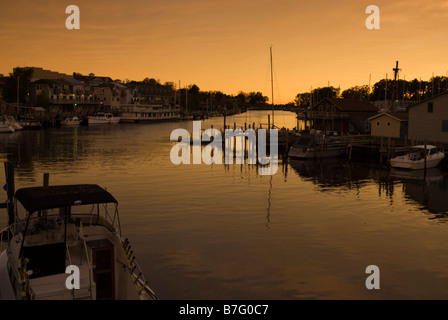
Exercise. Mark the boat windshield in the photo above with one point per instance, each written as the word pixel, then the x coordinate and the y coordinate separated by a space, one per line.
pixel 304 141
pixel 430 150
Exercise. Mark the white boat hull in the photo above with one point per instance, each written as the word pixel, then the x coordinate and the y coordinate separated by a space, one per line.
pixel 97 120
pixel 71 122
pixel 405 163
pixel 415 158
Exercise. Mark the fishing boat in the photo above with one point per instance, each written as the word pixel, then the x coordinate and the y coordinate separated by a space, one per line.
pixel 103 118
pixel 312 146
pixel 65 227
pixel 415 158
pixel 71 121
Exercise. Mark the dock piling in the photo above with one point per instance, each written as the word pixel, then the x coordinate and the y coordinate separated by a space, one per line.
pixel 9 173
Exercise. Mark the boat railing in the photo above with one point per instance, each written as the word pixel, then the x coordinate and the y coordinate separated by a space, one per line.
pixel 5 236
pixel 101 217
pixel 8 233
pixel 90 268
pixel 70 263
pixel 136 273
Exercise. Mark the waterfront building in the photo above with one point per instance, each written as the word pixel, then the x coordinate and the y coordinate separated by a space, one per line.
pixel 340 115
pixel 96 81
pixel 428 119
pixel 149 103
pixel 61 96
pixel 111 94
pixel 2 85
pixel 389 125
pixel 40 73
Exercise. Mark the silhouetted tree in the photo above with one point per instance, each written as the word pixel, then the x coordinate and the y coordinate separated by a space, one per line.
pixel 356 92
pixel 151 82
pixel 325 92
pixel 302 100
pixel 193 90
pixel 22 77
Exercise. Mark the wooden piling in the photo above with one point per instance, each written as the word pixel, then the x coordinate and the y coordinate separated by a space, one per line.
pixel 426 150
pixel 46 183
pixel 9 173
pixel 388 149
pixel 350 151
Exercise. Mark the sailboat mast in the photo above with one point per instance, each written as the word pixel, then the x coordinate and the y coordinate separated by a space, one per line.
pixel 272 90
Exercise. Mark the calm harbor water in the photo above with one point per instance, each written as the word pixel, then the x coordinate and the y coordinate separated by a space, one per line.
pixel 225 232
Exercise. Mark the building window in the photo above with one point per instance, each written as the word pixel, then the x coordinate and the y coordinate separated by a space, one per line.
pixel 445 125
pixel 377 123
pixel 430 107
pixel 388 123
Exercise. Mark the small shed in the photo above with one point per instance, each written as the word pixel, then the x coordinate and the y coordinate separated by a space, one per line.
pixel 389 124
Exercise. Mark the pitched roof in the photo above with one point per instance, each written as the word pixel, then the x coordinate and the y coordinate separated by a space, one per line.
pixel 350 104
pixel 74 82
pixel 111 85
pixel 400 116
pixel 428 99
pixel 145 89
pixel 44 81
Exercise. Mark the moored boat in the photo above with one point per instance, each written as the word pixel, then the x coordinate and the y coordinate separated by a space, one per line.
pixel 103 118
pixel 415 158
pixel 310 146
pixel 68 226
pixel 31 124
pixel 71 121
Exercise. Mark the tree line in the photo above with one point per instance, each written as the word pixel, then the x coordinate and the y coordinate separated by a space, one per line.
pixel 413 90
pixel 190 97
pixel 195 100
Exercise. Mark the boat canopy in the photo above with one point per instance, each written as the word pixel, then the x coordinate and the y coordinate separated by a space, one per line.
pixel 40 198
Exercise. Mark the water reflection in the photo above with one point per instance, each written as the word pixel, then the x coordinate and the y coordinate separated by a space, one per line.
pixel 26 148
pixel 307 232
pixel 335 173
pixel 428 189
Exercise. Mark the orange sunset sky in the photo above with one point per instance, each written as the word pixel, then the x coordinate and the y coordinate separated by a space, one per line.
pixel 224 44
